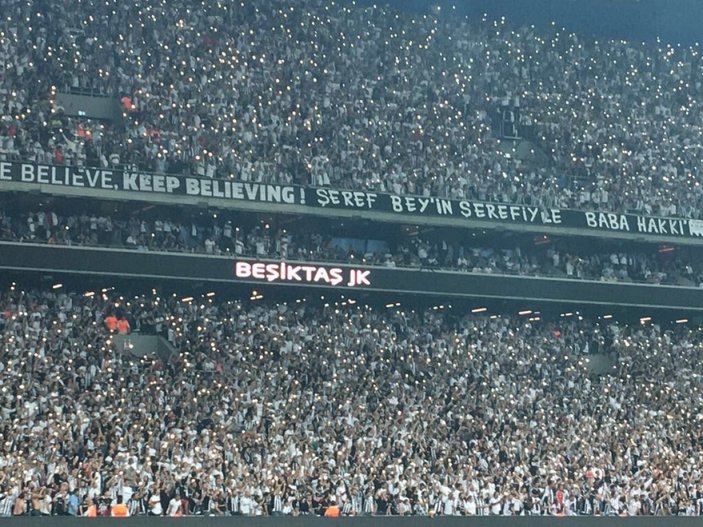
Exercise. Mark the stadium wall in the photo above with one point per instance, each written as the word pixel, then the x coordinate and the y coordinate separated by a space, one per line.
pixel 313 521
pixel 331 276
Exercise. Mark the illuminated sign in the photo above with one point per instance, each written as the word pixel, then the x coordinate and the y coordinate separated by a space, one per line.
pixel 284 272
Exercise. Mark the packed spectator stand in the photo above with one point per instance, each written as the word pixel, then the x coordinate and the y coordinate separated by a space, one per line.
pixel 327 93
pixel 287 408
pixel 340 406
pixel 215 234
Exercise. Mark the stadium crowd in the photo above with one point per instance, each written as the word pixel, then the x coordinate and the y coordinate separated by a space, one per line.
pixel 342 408
pixel 291 408
pixel 216 235
pixel 329 93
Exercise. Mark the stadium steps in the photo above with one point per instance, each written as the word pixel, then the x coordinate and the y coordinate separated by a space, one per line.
pixel 527 151
pixel 145 346
pixel 601 363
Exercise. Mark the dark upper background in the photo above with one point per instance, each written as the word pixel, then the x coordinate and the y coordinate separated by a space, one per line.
pixel 674 21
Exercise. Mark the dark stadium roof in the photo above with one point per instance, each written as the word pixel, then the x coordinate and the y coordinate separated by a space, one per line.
pixel 674 21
